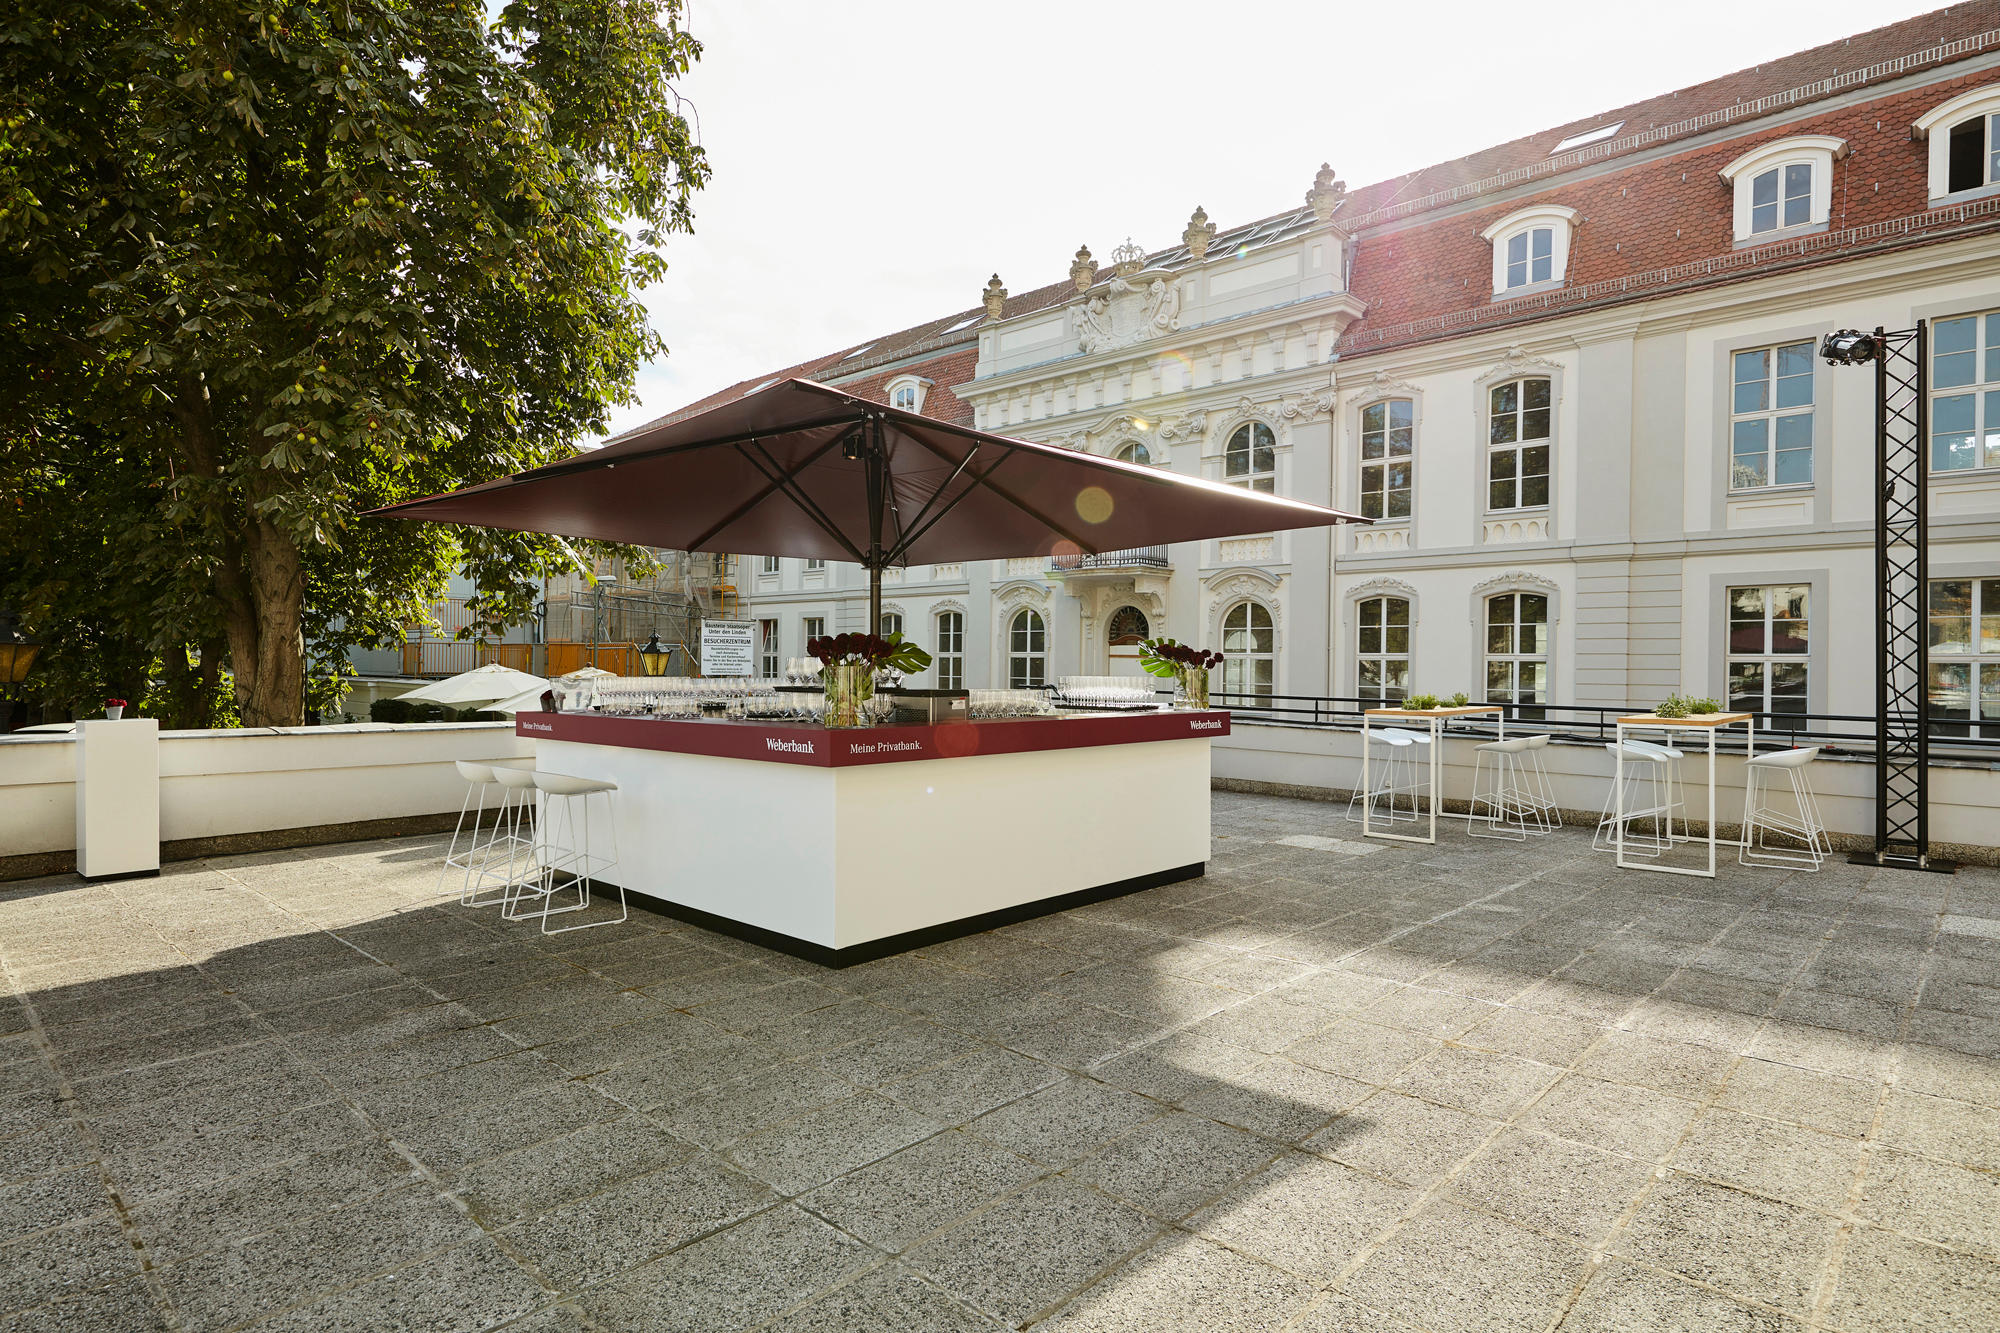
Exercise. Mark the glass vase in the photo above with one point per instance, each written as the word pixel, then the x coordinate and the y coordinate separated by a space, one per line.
pixel 1193 691
pixel 849 686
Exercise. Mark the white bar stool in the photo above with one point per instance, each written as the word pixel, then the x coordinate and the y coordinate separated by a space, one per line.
pixel 517 833
pixel 1544 790
pixel 564 849
pixel 473 859
pixel 1761 820
pixel 1647 765
pixel 1395 772
pixel 1512 798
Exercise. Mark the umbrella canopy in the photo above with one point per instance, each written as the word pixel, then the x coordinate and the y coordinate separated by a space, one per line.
pixel 478 686
pixel 529 699
pixel 585 673
pixel 803 469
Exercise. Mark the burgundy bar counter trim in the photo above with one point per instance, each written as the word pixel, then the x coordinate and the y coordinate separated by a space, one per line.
pixel 819 747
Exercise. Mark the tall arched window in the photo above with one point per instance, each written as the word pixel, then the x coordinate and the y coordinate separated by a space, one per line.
pixel 1249 651
pixel 1251 459
pixel 1382 649
pixel 1517 650
pixel 1517 434
pixel 950 658
pixel 1027 651
pixel 892 623
pixel 1388 439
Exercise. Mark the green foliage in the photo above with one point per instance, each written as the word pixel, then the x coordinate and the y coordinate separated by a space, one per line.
pixel 267 265
pixel 1419 702
pixel 1703 706
pixel 1459 700
pixel 1674 706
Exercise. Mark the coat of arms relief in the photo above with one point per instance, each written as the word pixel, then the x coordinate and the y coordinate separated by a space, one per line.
pixel 1135 306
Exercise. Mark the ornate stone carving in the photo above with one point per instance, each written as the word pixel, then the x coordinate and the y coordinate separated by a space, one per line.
pixel 1315 404
pixel 1245 585
pixel 1326 193
pixel 1383 587
pixel 1382 384
pixel 1083 271
pixel 1126 312
pixel 1200 231
pixel 1128 258
pixel 1517 362
pixel 1515 578
pixel 995 297
pixel 1189 427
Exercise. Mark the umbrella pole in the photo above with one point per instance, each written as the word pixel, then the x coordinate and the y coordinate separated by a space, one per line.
pixel 874 599
pixel 876 479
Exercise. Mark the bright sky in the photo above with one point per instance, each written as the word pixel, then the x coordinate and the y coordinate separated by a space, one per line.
pixel 876 160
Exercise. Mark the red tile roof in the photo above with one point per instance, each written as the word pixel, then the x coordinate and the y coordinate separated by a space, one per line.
pixel 1658 224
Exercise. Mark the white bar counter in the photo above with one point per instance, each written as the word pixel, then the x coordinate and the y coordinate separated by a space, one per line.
pixel 844 845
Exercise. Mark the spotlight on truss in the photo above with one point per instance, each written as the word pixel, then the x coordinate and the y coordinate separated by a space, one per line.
pixel 1850 347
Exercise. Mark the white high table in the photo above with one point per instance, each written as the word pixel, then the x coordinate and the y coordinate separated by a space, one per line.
pixel 840 846
pixel 1437 717
pixel 1707 722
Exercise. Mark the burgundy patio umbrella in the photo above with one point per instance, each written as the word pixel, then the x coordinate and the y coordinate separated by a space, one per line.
pixel 802 469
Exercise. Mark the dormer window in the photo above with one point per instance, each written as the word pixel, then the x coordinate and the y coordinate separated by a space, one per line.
pixel 1964 136
pixel 907 392
pixel 1784 187
pixel 1530 249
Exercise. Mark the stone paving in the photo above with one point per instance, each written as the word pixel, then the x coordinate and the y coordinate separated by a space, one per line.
pixel 1330 1087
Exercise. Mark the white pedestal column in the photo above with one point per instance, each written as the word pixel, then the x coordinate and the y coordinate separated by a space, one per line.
pixel 117 797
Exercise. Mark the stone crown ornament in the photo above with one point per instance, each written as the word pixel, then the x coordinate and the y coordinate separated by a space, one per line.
pixel 1128 258
pixel 995 297
pixel 1326 193
pixel 1200 231
pixel 1083 271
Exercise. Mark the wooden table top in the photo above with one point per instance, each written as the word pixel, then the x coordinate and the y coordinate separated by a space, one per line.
pixel 1462 710
pixel 1698 720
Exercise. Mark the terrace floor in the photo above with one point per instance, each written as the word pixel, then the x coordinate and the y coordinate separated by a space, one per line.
pixel 1477 1086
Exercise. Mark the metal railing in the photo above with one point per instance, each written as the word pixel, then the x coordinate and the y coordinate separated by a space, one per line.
pixel 1139 557
pixel 1834 733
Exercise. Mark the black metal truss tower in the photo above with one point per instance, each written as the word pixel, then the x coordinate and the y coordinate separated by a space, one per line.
pixel 1902 560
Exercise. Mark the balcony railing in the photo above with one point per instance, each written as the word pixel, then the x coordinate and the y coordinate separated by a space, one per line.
pixel 1139 557
pixel 1835 733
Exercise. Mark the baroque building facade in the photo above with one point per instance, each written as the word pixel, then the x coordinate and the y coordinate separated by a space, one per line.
pixel 1572 379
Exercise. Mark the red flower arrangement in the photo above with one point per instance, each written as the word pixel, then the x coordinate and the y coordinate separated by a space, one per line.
pixel 114 703
pixel 872 649
pixel 1163 657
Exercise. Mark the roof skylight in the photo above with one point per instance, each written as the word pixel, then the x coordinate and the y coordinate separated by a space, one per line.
pixel 965 323
pixel 857 351
pixel 1588 136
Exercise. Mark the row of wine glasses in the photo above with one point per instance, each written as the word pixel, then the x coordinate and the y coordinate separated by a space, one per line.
pixel 1009 703
pixel 1107 691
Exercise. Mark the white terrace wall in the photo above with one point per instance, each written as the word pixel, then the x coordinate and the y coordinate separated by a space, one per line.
pixel 222 783
pixel 1965 798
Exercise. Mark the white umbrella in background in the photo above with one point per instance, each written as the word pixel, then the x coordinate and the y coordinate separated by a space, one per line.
pixel 585 673
pixel 529 699
pixel 481 685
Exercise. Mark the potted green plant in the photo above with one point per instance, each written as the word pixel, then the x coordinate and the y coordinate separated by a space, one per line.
pixel 1416 703
pixel 848 663
pixel 1187 666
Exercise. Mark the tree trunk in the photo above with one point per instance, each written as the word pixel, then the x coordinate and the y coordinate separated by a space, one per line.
pixel 259 581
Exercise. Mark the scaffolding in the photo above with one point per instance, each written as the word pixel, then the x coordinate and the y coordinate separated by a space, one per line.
pixel 611 613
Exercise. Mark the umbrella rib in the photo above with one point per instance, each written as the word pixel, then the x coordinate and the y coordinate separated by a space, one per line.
pixel 788 484
pixel 760 496
pixel 924 520
pixel 589 461
pixel 1088 548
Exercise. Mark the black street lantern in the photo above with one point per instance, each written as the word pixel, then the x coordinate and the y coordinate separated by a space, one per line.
pixel 655 657
pixel 17 652
pixel 17 657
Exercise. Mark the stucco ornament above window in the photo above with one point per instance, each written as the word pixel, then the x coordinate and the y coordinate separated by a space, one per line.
pixel 1964 139
pixel 1783 187
pixel 1530 249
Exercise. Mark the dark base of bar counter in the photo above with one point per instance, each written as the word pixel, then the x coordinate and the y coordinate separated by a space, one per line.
pixel 890 945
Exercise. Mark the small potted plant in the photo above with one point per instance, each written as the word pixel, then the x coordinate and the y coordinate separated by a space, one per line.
pixel 848 663
pixel 114 709
pixel 1417 703
pixel 1188 666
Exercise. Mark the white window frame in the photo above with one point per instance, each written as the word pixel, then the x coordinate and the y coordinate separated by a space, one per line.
pixel 1125 452
pixel 1510 653
pixel 1770 413
pixel 1033 655
pixel 1264 480
pixel 1983 391
pixel 1558 221
pixel 1380 462
pixel 892 623
pixel 1765 658
pixel 949 660
pixel 1935 127
pixel 1242 658
pixel 913 387
pixel 767 649
pixel 815 566
pixel 810 628
pixel 1817 152
pixel 1366 618
pixel 1980 658
pixel 1520 444
pixel 771 565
